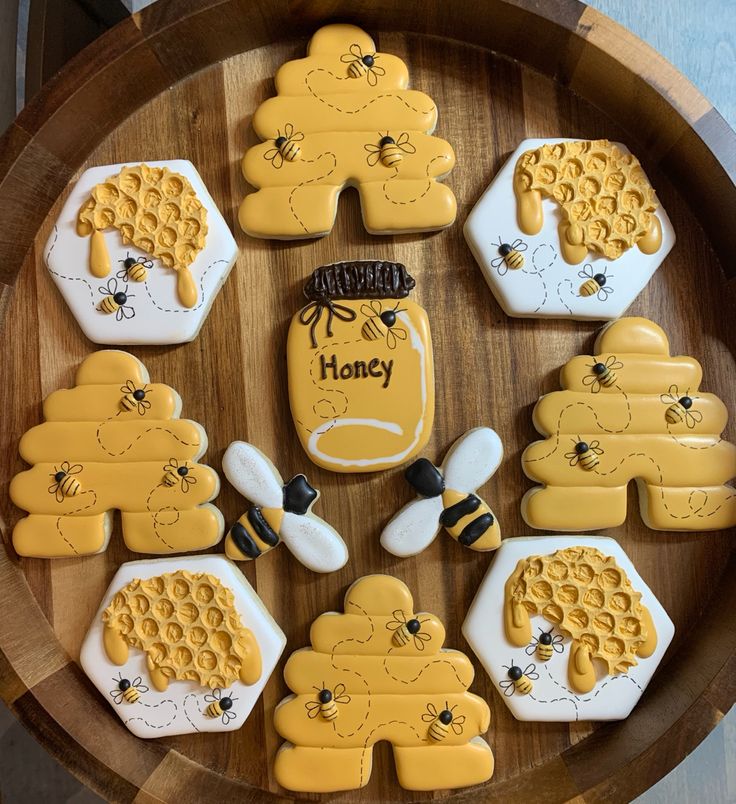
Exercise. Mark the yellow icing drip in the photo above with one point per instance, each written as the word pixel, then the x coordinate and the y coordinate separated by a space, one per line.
pixel 99 258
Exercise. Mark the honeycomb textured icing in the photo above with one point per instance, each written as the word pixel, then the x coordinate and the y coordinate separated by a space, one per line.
pixel 325 130
pixel 187 625
pixel 387 681
pixel 115 440
pixel 638 414
pixel 606 199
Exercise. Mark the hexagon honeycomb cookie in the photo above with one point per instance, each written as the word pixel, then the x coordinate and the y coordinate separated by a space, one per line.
pixel 181 646
pixel 139 252
pixel 569 229
pixel 567 629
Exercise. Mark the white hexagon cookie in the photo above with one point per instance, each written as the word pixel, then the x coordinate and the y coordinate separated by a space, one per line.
pixel 139 252
pixel 533 279
pixel 181 646
pixel 567 629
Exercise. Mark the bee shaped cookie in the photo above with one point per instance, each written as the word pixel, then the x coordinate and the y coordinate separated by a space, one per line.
pixel 447 498
pixel 343 116
pixel 280 512
pixel 360 366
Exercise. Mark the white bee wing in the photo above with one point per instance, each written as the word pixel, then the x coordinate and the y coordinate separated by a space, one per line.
pixel 414 528
pixel 253 475
pixel 472 459
pixel 314 543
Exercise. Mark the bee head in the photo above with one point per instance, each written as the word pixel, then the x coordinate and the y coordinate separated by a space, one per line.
pixel 120 297
pixel 299 495
pixel 599 368
pixel 425 478
pixel 600 279
pixel 325 696
pixel 279 141
pixel 388 317
pixel 226 703
pixel 545 638
pixel 386 140
pixel 686 402
pixel 504 249
pixel 581 448
pixel 514 673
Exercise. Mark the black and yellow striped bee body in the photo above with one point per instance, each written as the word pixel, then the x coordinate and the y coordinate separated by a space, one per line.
pixel 128 691
pixel 440 722
pixel 676 412
pixel 327 706
pixel 131 695
pixel 175 474
pixel 113 302
pixel 68 485
pixel 130 401
pixel 585 455
pixel 289 149
pixel 135 270
pixel 605 374
pixel 217 708
pixel 360 66
pixel 391 153
pixel 544 651
pixel 591 286
pixel 403 634
pixel 513 258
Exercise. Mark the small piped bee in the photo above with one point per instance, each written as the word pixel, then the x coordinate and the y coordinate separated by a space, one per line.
pixel 679 408
pixel 519 680
pixel 441 722
pixel 286 147
pixel 595 284
pixel 362 64
pixel 116 301
pixel 220 705
pixel 545 645
pixel 175 472
pixel 65 485
pixel 603 374
pixel 380 323
pixel 585 455
pixel 135 269
pixel 510 256
pixel 389 151
pixel 134 398
pixel 326 705
pixel 127 690
pixel 407 630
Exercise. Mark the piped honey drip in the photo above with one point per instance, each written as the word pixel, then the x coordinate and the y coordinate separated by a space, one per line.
pixel 588 597
pixel 606 200
pixel 157 211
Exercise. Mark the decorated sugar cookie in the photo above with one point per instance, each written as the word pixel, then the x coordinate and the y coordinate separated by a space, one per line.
pixel 139 252
pixel 569 228
pixel 379 672
pixel 343 116
pixel 280 511
pixel 181 646
pixel 115 440
pixel 447 498
pixel 361 373
pixel 630 412
pixel 566 628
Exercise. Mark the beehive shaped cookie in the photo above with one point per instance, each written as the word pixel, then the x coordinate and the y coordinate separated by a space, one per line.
pixel 567 629
pixel 379 672
pixel 114 441
pixel 139 252
pixel 631 411
pixel 343 116
pixel 181 645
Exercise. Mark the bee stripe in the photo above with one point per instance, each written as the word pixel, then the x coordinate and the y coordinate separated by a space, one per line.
pixel 475 529
pixel 244 541
pixel 372 329
pixel 452 515
pixel 437 732
pixel 263 530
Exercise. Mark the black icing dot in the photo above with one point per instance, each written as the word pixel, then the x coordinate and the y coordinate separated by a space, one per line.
pixel 504 249
pixel 545 638
pixel 129 263
pixel 581 448
pixel 599 368
pixel 120 297
pixel 325 696
pixel 388 317
pixel 59 476
pixel 124 684
pixel 386 141
pixel 600 279
pixel 182 471
pixel 413 626
pixel 139 394
pixel 514 673
pixel 686 402
pixel 368 60
pixel 279 141
pixel 226 703
pixel 445 717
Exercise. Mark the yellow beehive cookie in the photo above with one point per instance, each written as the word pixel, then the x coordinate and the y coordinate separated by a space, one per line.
pixel 379 672
pixel 630 412
pixel 187 625
pixel 343 116
pixel 590 599
pixel 606 200
pixel 156 210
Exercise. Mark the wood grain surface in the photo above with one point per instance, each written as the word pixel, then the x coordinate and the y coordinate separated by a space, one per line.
pixel 182 80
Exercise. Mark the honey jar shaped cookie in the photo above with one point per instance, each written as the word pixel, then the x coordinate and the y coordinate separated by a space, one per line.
pixel 361 375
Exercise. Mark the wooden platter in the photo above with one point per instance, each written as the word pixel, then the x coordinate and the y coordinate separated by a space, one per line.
pixel 182 79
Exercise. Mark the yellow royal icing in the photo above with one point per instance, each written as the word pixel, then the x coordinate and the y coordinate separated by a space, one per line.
pixel 324 131
pixel 379 672
pixel 640 414
pixel 114 441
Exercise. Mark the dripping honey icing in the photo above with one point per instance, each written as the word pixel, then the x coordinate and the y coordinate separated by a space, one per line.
pixel 361 376
pixel 157 211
